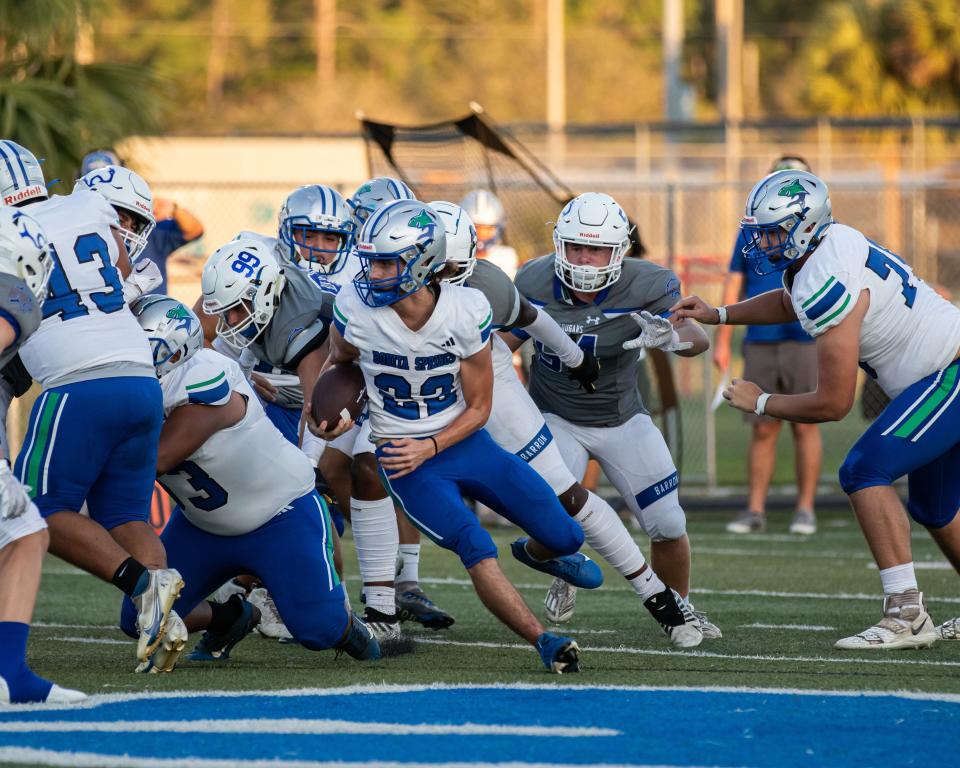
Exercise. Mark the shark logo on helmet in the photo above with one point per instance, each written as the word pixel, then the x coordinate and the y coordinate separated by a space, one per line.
pixel 181 314
pixel 421 221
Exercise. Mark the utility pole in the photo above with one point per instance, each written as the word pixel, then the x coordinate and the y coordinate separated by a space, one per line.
pixel 729 28
pixel 672 50
pixel 217 60
pixel 556 79
pixel 325 13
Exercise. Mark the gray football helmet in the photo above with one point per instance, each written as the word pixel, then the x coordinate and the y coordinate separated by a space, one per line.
pixel 310 210
pixel 787 214
pixel 172 328
pixel 377 192
pixel 411 235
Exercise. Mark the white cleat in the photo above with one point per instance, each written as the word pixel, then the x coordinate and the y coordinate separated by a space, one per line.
pixel 905 624
pixel 154 607
pixel 560 602
pixel 227 590
pixel 168 653
pixel 675 618
pixel 271 624
pixel 710 630
pixel 949 630
pixel 804 522
pixel 56 695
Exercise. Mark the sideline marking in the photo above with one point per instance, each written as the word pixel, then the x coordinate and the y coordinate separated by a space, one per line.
pixel 805 627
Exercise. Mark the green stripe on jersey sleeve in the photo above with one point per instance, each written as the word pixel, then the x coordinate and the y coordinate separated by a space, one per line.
pixel 819 293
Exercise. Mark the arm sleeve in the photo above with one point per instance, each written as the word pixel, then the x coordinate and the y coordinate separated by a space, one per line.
pixel 303 341
pixel 545 330
pixel 19 306
pixel 824 297
pixel 662 292
pixel 205 383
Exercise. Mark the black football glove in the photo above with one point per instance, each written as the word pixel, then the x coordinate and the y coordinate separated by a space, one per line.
pixel 587 372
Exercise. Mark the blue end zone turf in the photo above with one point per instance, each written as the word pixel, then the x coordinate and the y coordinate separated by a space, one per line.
pixel 517 724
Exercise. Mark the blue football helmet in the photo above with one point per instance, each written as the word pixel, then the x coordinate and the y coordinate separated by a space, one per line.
pixel 409 234
pixel 787 214
pixel 311 210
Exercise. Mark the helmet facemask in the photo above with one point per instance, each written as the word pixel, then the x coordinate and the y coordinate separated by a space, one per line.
pixel 136 234
pixel 296 233
pixel 382 292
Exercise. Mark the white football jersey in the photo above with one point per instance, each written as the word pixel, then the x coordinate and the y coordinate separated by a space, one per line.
pixel 350 270
pixel 413 377
pixel 242 476
pixel 86 323
pixel 909 330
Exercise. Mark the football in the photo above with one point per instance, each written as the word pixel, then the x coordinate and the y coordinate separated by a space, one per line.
pixel 340 393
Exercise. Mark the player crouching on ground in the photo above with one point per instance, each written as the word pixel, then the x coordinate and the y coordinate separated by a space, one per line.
pixel 861 302
pixel 424 348
pixel 245 501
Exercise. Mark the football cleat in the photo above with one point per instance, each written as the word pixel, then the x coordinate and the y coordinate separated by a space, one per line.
pixel 949 630
pixel 675 618
pixel 560 602
pixel 153 608
pixel 747 522
pixel 905 624
pixel 559 654
pixel 227 590
pixel 271 624
pixel 56 695
pixel 804 522
pixel 360 642
pixel 576 569
pixel 414 605
pixel 386 629
pixel 217 647
pixel 165 658
pixel 710 630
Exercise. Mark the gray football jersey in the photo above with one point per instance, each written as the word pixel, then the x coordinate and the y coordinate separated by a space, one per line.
pixel 602 327
pixel 18 303
pixel 500 291
pixel 300 324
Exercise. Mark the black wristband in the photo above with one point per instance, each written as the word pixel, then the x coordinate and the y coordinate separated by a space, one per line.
pixel 436 448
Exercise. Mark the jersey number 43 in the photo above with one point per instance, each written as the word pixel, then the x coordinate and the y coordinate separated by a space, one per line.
pixel 65 300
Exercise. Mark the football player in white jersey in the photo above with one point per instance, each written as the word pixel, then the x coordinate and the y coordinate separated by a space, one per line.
pixel 89 352
pixel 424 350
pixel 245 499
pixel 517 425
pixel 862 302
pixel 486 211
pixel 25 265
pixel 592 292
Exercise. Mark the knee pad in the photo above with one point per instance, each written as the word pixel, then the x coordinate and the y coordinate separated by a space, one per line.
pixel 565 538
pixel 128 618
pixel 858 471
pixel 664 520
pixel 473 544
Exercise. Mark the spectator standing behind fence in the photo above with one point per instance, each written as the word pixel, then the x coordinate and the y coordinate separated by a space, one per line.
pixel 781 359
pixel 176 226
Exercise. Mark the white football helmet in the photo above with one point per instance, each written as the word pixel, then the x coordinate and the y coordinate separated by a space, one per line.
pixel 787 214
pixel 592 218
pixel 461 239
pixel 411 235
pixel 377 192
pixel 21 177
pixel 24 251
pixel 312 209
pixel 127 192
pixel 244 274
pixel 487 213
pixel 172 328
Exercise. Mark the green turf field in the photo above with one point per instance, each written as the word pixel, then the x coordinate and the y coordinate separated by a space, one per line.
pixel 751 586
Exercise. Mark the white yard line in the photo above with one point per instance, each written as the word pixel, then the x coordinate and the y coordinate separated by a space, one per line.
pixel 92 640
pixel 803 627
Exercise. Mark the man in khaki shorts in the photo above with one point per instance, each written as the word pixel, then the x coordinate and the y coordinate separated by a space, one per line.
pixel 781 359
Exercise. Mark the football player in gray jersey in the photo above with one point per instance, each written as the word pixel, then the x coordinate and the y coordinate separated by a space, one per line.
pixel 517 425
pixel 596 296
pixel 25 266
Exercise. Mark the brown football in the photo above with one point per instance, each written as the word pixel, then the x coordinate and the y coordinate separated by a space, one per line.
pixel 339 393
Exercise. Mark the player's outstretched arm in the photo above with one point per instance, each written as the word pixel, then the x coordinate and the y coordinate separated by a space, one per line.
pixel 538 324
pixel 837 354
pixel 768 308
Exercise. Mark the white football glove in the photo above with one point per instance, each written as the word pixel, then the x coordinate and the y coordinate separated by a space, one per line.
pixel 14 497
pixel 143 278
pixel 656 333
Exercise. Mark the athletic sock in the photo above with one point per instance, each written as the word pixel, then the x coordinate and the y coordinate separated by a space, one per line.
pixel 131 578
pixel 410 570
pixel 223 615
pixel 606 533
pixel 647 584
pixel 898 579
pixel 22 684
pixel 378 541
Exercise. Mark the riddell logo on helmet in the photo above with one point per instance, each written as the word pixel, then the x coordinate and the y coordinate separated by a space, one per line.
pixel 590 234
pixel 24 194
pixel 365 247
